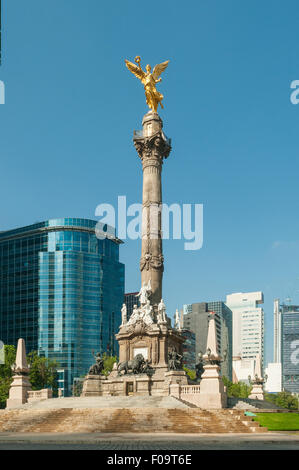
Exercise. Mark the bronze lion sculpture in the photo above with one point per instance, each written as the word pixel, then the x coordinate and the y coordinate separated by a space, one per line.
pixel 135 366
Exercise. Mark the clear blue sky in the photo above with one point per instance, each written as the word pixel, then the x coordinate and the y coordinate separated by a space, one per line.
pixel 71 108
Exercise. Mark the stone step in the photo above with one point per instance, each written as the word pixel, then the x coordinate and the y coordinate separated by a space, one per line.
pixel 127 420
pixel 108 402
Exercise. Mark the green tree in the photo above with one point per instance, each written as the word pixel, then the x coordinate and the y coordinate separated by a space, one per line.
pixel 271 397
pixel 191 373
pixel 237 390
pixel 6 373
pixel 108 363
pixel 43 372
pixel 287 400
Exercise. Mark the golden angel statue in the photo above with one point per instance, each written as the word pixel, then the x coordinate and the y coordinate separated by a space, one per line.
pixel 149 80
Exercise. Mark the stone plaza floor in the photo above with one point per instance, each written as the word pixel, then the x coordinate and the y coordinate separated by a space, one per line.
pixel 96 441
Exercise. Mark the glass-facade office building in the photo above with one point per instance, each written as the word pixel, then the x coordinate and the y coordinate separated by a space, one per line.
pixel 290 349
pixel 286 345
pixel 61 289
pixel 189 346
pixel 130 300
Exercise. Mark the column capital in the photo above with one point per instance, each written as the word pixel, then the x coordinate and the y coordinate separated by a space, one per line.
pixel 152 149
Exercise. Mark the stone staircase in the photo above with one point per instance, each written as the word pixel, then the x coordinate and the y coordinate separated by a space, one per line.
pixel 107 402
pixel 127 420
pixel 251 404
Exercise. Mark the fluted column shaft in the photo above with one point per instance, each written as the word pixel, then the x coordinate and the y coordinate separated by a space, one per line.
pixel 152 147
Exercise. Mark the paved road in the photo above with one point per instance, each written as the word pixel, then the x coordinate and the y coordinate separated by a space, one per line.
pixel 270 441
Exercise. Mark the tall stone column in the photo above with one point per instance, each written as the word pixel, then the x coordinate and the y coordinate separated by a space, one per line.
pixel 152 147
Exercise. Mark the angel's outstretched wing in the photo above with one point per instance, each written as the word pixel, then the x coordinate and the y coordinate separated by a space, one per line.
pixel 159 68
pixel 137 71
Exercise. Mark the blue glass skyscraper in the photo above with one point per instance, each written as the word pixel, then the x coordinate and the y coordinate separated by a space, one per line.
pixel 290 348
pixel 61 289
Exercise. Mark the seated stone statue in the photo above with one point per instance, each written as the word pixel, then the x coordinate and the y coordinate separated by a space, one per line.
pixel 135 316
pixel 146 313
pixel 97 368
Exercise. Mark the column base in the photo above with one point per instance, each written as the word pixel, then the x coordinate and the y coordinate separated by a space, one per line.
pixel 212 393
pixel 257 392
pixel 18 393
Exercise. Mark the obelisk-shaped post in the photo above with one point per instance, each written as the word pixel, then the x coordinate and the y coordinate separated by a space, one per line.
pixel 18 392
pixel 212 393
pixel 258 367
pixel 152 147
pixel 257 391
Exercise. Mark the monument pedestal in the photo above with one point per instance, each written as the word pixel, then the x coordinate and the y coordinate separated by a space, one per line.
pixel 127 385
pixel 152 341
pixel 176 377
pixel 18 393
pixel 212 393
pixel 93 386
pixel 257 392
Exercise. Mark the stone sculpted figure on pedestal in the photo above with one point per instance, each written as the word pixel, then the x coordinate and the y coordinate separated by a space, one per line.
pixel 199 367
pixel 175 360
pixel 144 293
pixel 177 322
pixel 149 79
pixel 147 313
pixel 135 316
pixel 124 317
pixel 97 368
pixel 162 312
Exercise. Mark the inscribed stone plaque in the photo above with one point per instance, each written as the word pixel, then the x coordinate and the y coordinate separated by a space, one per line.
pixel 143 351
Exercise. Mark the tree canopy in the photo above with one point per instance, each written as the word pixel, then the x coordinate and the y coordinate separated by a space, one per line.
pixel 284 399
pixel 108 363
pixel 43 372
pixel 237 390
pixel 191 373
pixel 6 373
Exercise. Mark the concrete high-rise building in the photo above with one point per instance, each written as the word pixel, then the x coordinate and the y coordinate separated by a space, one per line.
pixel 196 319
pixel 242 369
pixel 273 373
pixel 61 290
pixel 248 328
